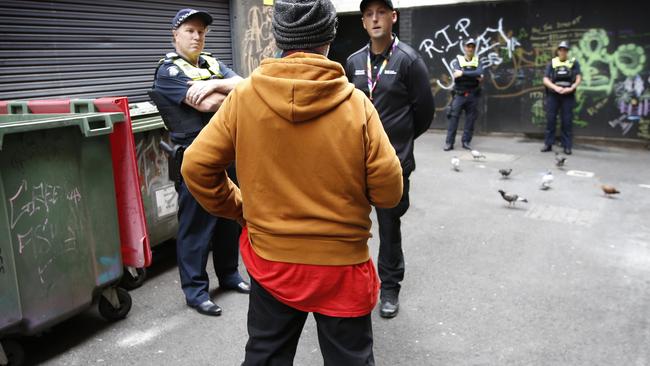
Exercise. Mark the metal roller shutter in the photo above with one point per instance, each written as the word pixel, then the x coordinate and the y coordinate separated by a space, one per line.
pixel 83 49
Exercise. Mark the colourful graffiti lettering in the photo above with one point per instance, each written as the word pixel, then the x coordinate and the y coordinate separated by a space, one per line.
pixel 615 85
pixel 492 46
pixel 611 74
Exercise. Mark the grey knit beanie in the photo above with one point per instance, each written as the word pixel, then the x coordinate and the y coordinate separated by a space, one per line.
pixel 303 24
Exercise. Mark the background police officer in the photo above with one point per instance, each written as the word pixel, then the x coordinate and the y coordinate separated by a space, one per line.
pixel 189 87
pixel 395 79
pixel 561 79
pixel 468 75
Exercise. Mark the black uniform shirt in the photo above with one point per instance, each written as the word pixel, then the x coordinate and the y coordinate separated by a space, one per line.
pixel 402 97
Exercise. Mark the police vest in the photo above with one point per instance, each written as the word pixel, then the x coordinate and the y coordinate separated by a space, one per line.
pixel 465 83
pixel 183 119
pixel 193 72
pixel 562 71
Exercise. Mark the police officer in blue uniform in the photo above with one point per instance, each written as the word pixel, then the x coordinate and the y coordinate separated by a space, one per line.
pixel 189 86
pixel 561 78
pixel 468 75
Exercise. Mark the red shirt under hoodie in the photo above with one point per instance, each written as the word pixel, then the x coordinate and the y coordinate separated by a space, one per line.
pixel 337 291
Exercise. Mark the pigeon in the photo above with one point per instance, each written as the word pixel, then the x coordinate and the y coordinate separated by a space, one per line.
pixel 560 160
pixel 455 163
pixel 547 179
pixel 505 173
pixel 512 198
pixel 609 190
pixel 477 155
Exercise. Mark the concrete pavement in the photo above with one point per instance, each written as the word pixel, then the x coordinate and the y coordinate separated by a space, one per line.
pixel 562 280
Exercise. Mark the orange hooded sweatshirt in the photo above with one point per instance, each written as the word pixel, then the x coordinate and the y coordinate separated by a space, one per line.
pixel 311 157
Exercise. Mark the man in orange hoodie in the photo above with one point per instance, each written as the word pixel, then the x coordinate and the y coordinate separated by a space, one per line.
pixel 311 157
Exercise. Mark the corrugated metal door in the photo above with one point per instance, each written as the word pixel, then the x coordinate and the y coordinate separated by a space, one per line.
pixel 86 49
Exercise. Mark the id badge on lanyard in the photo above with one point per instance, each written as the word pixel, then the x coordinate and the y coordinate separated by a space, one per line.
pixel 372 83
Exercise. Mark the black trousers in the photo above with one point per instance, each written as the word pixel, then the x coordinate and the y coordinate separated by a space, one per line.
pixel 274 330
pixel 391 257
pixel 469 104
pixel 198 232
pixel 563 104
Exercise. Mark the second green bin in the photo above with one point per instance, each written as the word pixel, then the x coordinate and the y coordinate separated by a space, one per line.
pixel 158 194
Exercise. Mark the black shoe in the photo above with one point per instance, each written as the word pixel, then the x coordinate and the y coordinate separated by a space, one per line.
pixel 389 308
pixel 467 146
pixel 208 308
pixel 567 151
pixel 242 287
pixel 547 148
pixel 448 147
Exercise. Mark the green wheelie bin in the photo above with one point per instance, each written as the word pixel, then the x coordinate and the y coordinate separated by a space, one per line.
pixel 158 194
pixel 59 234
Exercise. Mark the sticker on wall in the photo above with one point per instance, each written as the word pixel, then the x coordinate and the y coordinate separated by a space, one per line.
pixel 166 201
pixel 268 2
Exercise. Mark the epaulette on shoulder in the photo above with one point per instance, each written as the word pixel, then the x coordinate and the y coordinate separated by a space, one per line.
pixel 408 50
pixel 168 59
pixel 362 49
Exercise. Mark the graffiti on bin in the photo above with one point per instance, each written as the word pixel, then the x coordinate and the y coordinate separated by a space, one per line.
pixel 152 163
pixel 113 267
pixel 44 221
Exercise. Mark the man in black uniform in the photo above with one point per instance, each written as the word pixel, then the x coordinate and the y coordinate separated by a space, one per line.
pixel 395 79
pixel 468 75
pixel 561 79
pixel 189 87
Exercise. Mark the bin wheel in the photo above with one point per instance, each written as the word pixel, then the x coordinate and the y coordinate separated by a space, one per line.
pixel 14 353
pixel 111 313
pixel 131 282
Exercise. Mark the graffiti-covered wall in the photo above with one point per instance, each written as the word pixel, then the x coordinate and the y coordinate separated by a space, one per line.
pixel 516 40
pixel 252 34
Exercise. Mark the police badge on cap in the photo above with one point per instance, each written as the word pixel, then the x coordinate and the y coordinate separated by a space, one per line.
pixel 184 14
pixel 470 41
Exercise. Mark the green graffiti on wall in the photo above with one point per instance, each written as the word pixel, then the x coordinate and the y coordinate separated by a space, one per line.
pixel 602 69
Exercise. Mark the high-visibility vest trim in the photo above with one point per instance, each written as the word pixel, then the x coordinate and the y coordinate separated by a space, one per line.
pixel 568 63
pixel 563 71
pixel 464 83
pixel 464 63
pixel 193 72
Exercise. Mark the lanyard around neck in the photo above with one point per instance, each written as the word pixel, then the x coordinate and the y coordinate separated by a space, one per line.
pixel 372 83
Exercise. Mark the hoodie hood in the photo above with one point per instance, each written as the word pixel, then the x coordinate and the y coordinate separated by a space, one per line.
pixel 302 86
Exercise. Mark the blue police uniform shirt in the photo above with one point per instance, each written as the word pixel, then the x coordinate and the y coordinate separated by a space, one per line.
pixel 575 70
pixel 172 82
